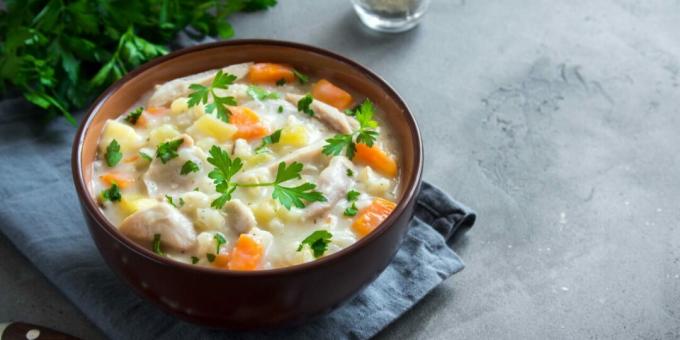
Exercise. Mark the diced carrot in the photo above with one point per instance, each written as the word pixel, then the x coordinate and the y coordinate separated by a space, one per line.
pixel 221 260
pixel 247 123
pixel 141 121
pixel 270 73
pixel 376 159
pixel 247 253
pixel 120 179
pixel 157 110
pixel 131 159
pixel 370 217
pixel 332 95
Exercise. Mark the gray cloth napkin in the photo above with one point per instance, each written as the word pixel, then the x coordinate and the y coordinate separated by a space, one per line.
pixel 41 216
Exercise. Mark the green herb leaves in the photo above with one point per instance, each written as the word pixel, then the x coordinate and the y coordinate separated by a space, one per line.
pixel 317 241
pixel 226 168
pixel 113 154
pixel 189 167
pixel 259 93
pixel 303 105
pixel 201 94
pixel 365 135
pixel 302 78
pixel 156 245
pixel 133 116
pixel 86 45
pixel 269 140
pixel 293 196
pixel 168 150
pixel 111 194
pixel 352 210
pixel 219 241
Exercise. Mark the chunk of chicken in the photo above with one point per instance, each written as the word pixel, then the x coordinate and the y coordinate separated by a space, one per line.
pixel 239 216
pixel 179 87
pixel 166 179
pixel 334 183
pixel 176 230
pixel 328 115
pixel 303 155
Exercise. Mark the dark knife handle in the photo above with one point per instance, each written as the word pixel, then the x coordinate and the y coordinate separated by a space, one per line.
pixel 25 331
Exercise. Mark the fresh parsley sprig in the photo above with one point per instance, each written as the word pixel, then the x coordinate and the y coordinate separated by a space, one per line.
pixel 168 150
pixel 226 168
pixel 260 94
pixel 366 133
pixel 269 140
pixel 189 167
pixel 156 245
pixel 111 194
pixel 317 241
pixel 303 105
pixel 133 116
pixel 201 94
pixel 352 196
pixel 113 154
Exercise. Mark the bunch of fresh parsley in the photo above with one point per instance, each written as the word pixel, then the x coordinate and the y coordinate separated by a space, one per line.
pixel 61 53
pixel 366 134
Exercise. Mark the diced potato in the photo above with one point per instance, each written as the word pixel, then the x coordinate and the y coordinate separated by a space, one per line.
pixel 125 135
pixel 264 212
pixel 194 200
pixel 295 135
pixel 212 126
pixel 258 159
pixel 130 204
pixel 162 134
pixel 293 215
pixel 372 182
pixel 205 244
pixel 264 237
pixel 198 110
pixel 294 257
pixel 209 219
pixel 179 105
pixel 242 149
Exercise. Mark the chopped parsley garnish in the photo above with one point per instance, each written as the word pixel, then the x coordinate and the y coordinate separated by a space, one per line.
pixel 353 111
pixel 280 109
pixel 226 168
pixel 219 240
pixel 201 94
pixel 318 241
pixel 168 150
pixel 157 245
pixel 145 156
pixel 133 116
pixel 171 201
pixel 281 82
pixel 365 135
pixel 352 196
pixel 113 154
pixel 112 194
pixel 210 257
pixel 301 77
pixel 189 167
pixel 303 105
pixel 259 93
pixel 350 173
pixel 194 260
pixel 269 140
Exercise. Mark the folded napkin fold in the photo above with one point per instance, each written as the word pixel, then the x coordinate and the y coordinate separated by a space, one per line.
pixel 40 214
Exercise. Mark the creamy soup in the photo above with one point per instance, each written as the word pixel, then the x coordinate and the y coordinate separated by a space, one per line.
pixel 252 166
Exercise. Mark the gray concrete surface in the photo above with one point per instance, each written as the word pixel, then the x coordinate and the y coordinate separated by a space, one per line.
pixel 558 121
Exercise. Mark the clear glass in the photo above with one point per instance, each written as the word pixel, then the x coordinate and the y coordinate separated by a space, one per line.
pixel 390 15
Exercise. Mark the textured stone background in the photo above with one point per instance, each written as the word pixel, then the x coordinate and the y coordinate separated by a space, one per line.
pixel 558 121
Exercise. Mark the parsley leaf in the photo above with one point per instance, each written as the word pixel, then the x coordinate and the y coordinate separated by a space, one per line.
pixel 225 169
pixel 210 257
pixel 302 78
pixel 351 211
pixel 317 241
pixel 168 150
pixel 259 93
pixel 112 194
pixel 145 156
pixel 353 195
pixel 168 198
pixel 219 240
pixel 189 167
pixel 200 95
pixel 281 82
pixel 366 133
pixel 133 116
pixel 157 245
pixel 269 140
pixel 280 109
pixel 293 196
pixel 113 154
pixel 194 260
pixel 303 105
pixel 350 173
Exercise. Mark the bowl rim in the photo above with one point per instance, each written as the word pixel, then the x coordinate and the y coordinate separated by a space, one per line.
pixel 89 204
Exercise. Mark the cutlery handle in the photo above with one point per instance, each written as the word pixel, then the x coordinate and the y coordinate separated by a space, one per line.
pixel 25 331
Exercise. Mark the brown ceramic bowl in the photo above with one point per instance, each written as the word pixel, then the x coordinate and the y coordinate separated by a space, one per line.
pixel 259 299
